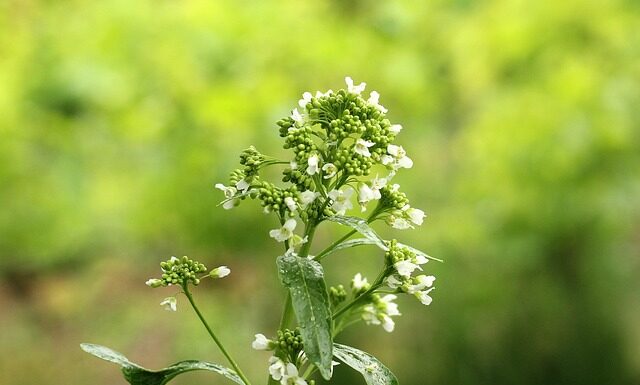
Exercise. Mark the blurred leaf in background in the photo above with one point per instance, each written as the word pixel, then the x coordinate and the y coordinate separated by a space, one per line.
pixel 116 119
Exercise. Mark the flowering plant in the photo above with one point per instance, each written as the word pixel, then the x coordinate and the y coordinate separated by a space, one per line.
pixel 337 140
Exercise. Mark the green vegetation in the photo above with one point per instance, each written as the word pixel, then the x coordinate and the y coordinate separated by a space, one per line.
pixel 522 119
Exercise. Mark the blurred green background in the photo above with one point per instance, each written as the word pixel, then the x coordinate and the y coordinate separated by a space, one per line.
pixel 523 119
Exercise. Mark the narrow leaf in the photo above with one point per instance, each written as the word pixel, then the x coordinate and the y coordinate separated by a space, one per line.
pixel 137 375
pixel 372 370
pixel 418 252
pixel 305 280
pixel 350 243
pixel 361 226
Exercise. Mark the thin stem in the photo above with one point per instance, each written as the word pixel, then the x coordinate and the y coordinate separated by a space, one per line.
pixel 233 363
pixel 334 244
pixel 376 284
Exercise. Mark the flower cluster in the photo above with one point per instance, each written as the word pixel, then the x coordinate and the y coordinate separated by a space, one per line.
pixel 380 311
pixel 183 271
pixel 288 356
pixel 405 261
pixel 178 271
pixel 336 140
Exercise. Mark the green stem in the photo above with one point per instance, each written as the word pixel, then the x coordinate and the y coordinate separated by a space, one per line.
pixel 233 363
pixel 374 286
pixel 334 244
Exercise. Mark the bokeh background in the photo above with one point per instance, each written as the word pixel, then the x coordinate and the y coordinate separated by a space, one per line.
pixel 523 119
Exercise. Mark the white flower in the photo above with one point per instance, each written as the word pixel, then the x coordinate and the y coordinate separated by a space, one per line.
pixel 398 222
pixel 220 272
pixel 390 307
pixel 261 342
pixel 277 368
pixel 362 147
pixel 405 267
pixel 296 116
pixel 374 97
pixel 387 323
pixel 313 164
pixel 306 99
pixel 291 204
pixel 296 241
pixel 365 194
pixel 170 304
pixel 395 128
pixel 154 282
pixel 330 170
pixel 416 216
pixel 377 184
pixel 229 193
pixel 285 232
pixel 360 283
pixel 291 377
pixel 400 158
pixel 424 296
pixel 353 88
pixel 420 259
pixel 320 94
pixel 307 197
pixel 423 281
pixel 341 200
pixel 293 164
pixel 394 281
pixel 243 185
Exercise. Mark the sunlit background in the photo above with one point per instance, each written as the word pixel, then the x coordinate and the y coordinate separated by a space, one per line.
pixel 522 118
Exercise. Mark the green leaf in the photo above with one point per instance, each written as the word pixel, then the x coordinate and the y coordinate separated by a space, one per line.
pixel 418 252
pixel 372 370
pixel 137 375
pixel 305 280
pixel 361 226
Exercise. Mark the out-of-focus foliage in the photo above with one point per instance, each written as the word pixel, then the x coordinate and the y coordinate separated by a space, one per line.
pixel 523 119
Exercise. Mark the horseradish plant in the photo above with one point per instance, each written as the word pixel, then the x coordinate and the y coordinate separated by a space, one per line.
pixel 337 140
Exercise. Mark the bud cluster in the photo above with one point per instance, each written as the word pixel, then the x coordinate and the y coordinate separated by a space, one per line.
pixel 289 344
pixel 179 271
pixel 337 295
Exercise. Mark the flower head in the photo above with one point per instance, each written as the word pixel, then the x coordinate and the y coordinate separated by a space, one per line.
pixel 330 170
pixel 353 88
pixel 341 200
pixel 362 147
pixel 285 232
pixel 261 342
pixel 170 304
pixel 313 161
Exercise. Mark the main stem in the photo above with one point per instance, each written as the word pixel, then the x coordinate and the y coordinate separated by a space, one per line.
pixel 233 363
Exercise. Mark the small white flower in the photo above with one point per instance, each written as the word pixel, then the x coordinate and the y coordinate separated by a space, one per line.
pixel 307 197
pixel 394 281
pixel 261 342
pixel 401 160
pixel 398 222
pixel 291 204
pixel 395 128
pixel 330 170
pixel 365 194
pixel 416 216
pixel 313 164
pixel 353 88
pixel 341 200
pixel 320 94
pixel 296 116
pixel 293 164
pixel 277 368
pixel 154 282
pixel 405 267
pixel 306 99
pixel 424 296
pixel 374 98
pixel 220 272
pixel 390 307
pixel 229 193
pixel 377 184
pixel 423 281
pixel 362 147
pixel 285 232
pixel 170 304
pixel 243 185
pixel 296 241
pixel 291 377
pixel 420 259
pixel 360 283
pixel 387 323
